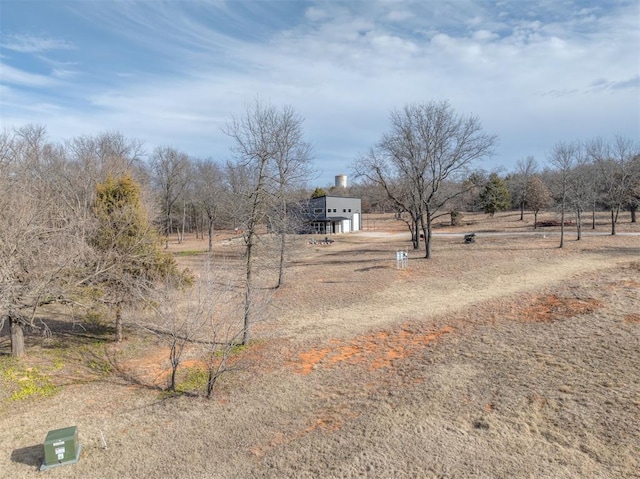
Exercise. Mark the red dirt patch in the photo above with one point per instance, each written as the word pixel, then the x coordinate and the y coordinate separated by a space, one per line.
pixel 632 318
pixel 550 308
pixel 376 350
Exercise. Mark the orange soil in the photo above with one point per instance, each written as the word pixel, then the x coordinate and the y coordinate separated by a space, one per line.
pixel 632 318
pixel 376 350
pixel 548 308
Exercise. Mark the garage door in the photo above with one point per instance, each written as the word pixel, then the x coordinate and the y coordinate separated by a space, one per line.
pixel 356 222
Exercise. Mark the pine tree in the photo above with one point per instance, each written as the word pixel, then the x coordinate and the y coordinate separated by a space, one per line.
pixel 129 257
pixel 495 196
pixel 318 193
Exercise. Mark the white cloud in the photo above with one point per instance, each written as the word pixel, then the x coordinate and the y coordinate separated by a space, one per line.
pixel 399 15
pixel 35 44
pixel 484 36
pixel 315 14
pixel 530 81
pixel 15 76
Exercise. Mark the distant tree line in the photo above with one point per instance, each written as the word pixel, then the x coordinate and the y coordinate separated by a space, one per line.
pixel 86 222
pixel 428 165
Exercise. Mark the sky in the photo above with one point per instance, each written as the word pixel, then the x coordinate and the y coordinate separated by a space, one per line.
pixel 174 73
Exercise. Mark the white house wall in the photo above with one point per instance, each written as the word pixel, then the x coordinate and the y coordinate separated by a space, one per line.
pixel 355 222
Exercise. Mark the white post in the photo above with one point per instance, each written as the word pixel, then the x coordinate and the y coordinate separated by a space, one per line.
pixel 402 259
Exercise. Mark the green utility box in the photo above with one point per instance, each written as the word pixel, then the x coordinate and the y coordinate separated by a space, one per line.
pixel 61 447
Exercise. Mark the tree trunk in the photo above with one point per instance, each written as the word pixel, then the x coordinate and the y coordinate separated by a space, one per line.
pixel 633 210
pixel 283 245
pixel 210 233
pixel 535 219
pixel 167 228
pixel 173 358
pixel 416 234
pixel 248 289
pixel 216 371
pixel 427 236
pixel 17 336
pixel 613 223
pixel 283 239
pixel 184 220
pixel 579 224
pixel 118 324
pixel 427 244
pixel 521 210
pixel 593 217
pixel 562 224
pixel 211 382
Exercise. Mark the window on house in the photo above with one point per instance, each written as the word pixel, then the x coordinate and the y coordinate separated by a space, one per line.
pixel 318 210
pixel 349 210
pixel 344 210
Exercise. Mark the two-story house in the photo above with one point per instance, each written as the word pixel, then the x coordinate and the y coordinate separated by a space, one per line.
pixel 334 214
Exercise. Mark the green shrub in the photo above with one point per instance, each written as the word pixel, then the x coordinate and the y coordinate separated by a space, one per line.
pixel 26 382
pixel 195 380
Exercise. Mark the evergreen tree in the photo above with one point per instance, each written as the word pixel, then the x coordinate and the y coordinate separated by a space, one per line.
pixel 495 196
pixel 318 193
pixel 129 258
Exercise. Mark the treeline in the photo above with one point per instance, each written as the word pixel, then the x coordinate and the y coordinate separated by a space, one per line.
pixel 426 166
pixel 87 221
pixel 591 186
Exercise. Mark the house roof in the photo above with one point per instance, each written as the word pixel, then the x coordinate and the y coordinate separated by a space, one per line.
pixel 330 218
pixel 338 196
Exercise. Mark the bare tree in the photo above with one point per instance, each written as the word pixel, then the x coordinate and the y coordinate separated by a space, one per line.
pixel 374 198
pixel 423 159
pixel 179 313
pixel 224 328
pixel 376 169
pixel 582 187
pixel 209 193
pixel 520 182
pixel 88 161
pixel 170 170
pixel 538 197
pixel 634 197
pixel 563 157
pixel 617 174
pixel 253 135
pixel 272 161
pixel 291 170
pixel 41 241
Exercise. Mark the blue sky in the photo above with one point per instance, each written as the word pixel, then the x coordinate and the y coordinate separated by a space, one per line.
pixel 173 73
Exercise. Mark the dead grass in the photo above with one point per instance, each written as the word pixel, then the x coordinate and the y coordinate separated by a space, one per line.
pixel 504 358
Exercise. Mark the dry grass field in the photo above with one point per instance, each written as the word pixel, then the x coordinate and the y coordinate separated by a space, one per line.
pixel 504 358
